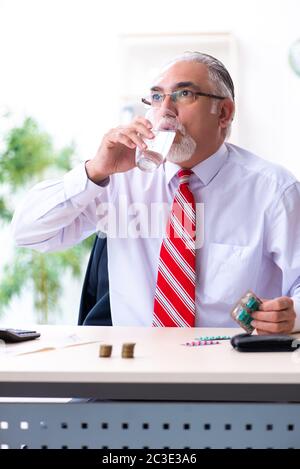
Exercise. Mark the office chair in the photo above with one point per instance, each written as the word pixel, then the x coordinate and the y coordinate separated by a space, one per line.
pixel 94 304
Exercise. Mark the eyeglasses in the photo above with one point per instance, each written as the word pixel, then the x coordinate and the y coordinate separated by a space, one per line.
pixel 180 97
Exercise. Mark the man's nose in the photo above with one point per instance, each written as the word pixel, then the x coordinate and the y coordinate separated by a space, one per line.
pixel 168 107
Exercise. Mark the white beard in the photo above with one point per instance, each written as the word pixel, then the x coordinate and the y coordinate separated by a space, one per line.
pixel 182 151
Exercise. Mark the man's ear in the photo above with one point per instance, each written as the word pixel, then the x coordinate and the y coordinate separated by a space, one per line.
pixel 226 112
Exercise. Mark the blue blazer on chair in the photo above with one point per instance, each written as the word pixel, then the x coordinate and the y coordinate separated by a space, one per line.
pixel 94 304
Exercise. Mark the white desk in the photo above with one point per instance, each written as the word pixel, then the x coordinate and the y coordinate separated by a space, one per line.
pixel 219 395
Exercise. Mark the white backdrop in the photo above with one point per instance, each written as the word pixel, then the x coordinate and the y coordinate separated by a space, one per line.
pixel 58 63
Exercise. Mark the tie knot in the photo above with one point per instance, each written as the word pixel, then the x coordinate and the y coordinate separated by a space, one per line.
pixel 184 175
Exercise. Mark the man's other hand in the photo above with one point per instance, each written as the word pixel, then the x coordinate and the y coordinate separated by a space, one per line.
pixel 275 316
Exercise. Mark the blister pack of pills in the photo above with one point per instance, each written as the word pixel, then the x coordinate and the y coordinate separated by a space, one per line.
pixel 241 313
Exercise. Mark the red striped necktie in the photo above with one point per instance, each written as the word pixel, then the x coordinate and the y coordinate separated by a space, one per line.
pixel 174 303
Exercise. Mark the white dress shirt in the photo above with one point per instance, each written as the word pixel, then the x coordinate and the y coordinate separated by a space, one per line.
pixel 251 231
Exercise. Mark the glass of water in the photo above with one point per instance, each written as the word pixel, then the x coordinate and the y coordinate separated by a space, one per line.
pixel 164 129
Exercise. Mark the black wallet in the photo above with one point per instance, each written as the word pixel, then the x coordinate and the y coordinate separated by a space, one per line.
pixel 264 343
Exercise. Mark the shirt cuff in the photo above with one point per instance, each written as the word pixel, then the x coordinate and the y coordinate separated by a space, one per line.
pixel 80 188
pixel 296 327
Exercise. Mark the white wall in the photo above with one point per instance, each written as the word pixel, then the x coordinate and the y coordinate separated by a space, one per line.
pixel 58 63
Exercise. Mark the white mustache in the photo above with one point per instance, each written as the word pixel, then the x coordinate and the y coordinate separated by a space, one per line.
pixel 168 124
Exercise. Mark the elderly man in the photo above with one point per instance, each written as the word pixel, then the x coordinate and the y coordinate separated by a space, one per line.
pixel 251 227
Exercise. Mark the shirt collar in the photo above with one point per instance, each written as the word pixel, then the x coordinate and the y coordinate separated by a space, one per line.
pixel 205 170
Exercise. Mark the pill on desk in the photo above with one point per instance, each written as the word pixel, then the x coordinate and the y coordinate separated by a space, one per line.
pixel 196 343
pixel 214 337
pixel 105 350
pixel 127 350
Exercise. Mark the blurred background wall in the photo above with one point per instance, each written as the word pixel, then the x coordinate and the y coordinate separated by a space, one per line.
pixel 62 62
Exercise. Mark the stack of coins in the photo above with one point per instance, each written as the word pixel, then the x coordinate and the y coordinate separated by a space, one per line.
pixel 241 313
pixel 127 350
pixel 105 350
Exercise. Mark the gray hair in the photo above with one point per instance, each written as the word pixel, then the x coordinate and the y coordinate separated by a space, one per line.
pixel 218 74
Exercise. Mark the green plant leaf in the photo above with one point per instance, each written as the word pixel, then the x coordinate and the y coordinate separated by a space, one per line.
pixel 5 213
